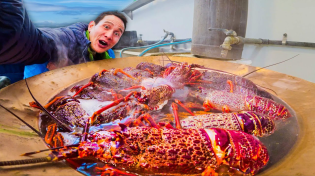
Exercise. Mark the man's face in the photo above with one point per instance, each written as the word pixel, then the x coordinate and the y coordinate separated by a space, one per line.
pixel 106 33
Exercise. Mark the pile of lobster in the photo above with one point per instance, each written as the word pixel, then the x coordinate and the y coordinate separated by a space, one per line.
pixel 172 119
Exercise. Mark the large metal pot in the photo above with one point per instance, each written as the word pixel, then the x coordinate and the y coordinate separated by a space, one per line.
pixel 16 138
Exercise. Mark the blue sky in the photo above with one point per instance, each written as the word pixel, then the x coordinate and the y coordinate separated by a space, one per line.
pixel 57 13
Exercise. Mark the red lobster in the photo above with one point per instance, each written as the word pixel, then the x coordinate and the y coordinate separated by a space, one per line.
pixel 157 70
pixel 246 121
pixel 232 102
pixel 68 110
pixel 196 75
pixel 103 85
pixel 160 149
pixel 224 81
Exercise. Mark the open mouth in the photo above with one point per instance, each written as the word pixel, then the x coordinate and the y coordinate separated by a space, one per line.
pixel 103 43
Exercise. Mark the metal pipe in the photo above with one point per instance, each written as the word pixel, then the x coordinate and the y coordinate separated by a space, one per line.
pixel 139 47
pixel 249 40
pixel 289 43
pixel 165 44
pixel 149 42
pixel 233 39
pixel 273 42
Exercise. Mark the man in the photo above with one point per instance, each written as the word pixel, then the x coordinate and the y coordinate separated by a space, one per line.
pixel 22 44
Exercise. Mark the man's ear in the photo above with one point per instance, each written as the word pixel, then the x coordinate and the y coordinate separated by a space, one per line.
pixel 91 25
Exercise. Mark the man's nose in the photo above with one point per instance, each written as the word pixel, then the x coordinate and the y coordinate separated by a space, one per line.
pixel 109 35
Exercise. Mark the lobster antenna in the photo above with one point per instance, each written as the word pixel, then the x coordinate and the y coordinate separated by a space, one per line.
pixel 170 59
pixel 37 132
pixel 268 89
pixel 49 114
pixel 270 65
pixel 26 161
pixel 31 153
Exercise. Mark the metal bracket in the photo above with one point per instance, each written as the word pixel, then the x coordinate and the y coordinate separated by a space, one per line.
pixel 129 13
pixel 284 39
pixel 135 5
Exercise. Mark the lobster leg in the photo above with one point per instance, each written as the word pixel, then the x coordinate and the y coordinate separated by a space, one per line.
pixel 35 105
pixel 101 72
pixel 134 87
pixel 123 72
pixel 114 94
pixel 182 105
pixel 55 139
pixel 175 110
pixel 136 122
pixel 116 102
pixel 108 170
pixel 231 85
pixel 52 137
pixel 209 171
pixel 147 118
pixel 148 70
pixel 226 109
pixel 51 130
pixel 204 81
pixel 58 140
pixel 85 131
pixel 192 83
pixel 194 76
pixel 116 71
pixel 168 71
pixel 82 88
pixel 207 105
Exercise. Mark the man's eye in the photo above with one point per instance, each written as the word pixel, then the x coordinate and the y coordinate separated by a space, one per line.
pixel 117 33
pixel 106 27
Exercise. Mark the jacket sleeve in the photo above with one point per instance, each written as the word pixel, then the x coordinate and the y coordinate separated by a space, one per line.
pixel 20 41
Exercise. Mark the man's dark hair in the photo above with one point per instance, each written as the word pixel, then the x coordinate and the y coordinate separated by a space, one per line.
pixel 115 13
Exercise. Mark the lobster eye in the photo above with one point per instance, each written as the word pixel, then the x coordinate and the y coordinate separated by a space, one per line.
pixel 113 139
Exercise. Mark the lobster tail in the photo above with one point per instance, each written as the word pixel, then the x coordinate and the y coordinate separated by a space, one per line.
pixel 267 107
pixel 251 154
pixel 238 150
pixel 252 123
pixel 26 161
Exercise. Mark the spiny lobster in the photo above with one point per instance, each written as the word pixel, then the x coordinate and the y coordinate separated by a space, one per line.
pixel 197 75
pixel 68 110
pixel 162 149
pixel 232 102
pixel 109 81
pixel 246 121
pixel 219 80
pixel 153 68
